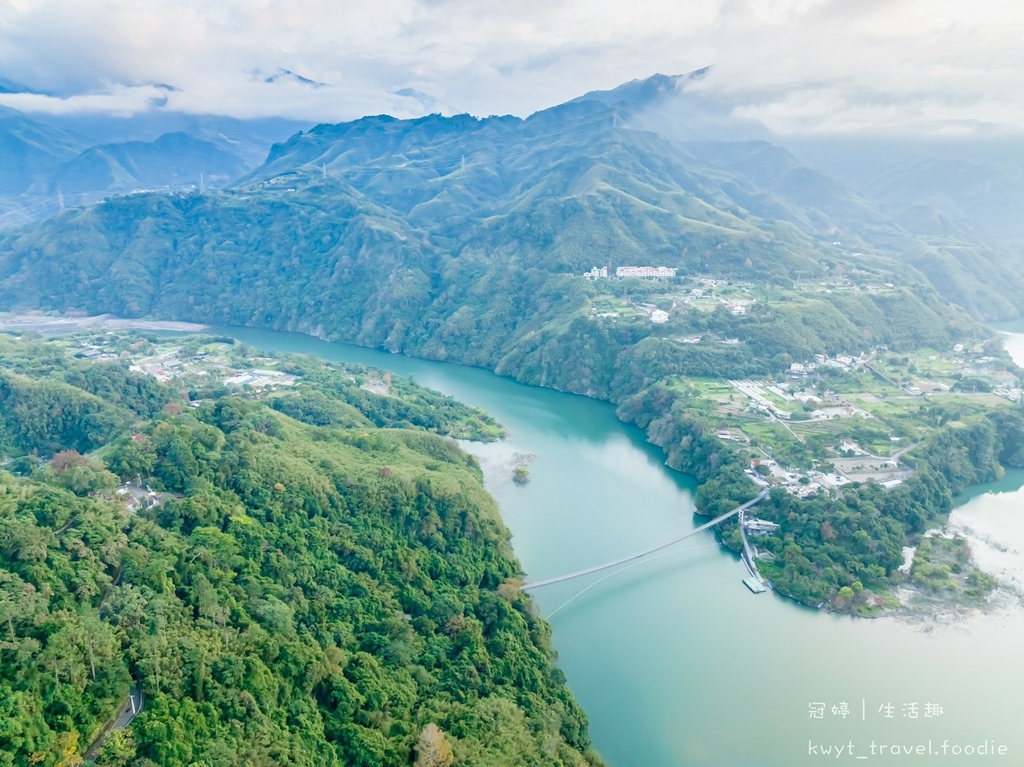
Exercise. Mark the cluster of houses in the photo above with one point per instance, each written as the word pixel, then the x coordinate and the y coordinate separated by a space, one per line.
pixel 260 379
pixel 137 497
pixel 647 272
pixel 736 308
pixel 844 361
pixel 94 353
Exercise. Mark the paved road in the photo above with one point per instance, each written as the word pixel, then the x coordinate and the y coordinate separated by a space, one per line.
pixel 748 553
pixel 131 709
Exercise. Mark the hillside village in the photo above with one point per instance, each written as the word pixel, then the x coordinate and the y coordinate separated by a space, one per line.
pixel 835 420
pixel 827 420
pixel 204 363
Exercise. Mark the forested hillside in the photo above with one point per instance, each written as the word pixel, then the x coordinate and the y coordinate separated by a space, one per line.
pixel 464 239
pixel 300 594
pixel 479 266
pixel 833 541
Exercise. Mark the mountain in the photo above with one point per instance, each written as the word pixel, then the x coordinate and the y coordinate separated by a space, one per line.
pixel 909 214
pixel 781 186
pixel 459 238
pixel 637 94
pixel 679 108
pixel 669 145
pixel 949 207
pixel 47 160
pixel 429 213
pixel 974 194
pixel 565 188
pixel 958 202
pixel 287 74
pixel 248 138
pixel 466 239
pixel 172 161
pixel 30 150
pixel 11 86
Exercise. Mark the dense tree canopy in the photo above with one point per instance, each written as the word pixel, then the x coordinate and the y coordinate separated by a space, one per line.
pixel 304 595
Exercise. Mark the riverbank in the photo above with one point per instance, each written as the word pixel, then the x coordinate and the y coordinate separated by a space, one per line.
pixel 679 636
pixel 42 323
pixel 817 556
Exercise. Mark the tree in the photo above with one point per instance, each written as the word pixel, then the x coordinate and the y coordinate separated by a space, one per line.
pixel 66 746
pixel 432 749
pixel 844 597
pixel 287 585
pixel 118 750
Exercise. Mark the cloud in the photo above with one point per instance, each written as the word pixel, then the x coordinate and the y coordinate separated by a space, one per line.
pixel 120 100
pixel 797 65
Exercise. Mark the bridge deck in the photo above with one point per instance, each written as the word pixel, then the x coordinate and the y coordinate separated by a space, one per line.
pixel 641 554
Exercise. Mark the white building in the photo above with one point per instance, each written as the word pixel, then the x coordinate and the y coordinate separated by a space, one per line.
pixel 762 526
pixel 596 273
pixel 659 317
pixel 849 446
pixel 645 271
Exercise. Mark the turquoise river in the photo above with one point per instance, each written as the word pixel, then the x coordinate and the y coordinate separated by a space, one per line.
pixel 676 663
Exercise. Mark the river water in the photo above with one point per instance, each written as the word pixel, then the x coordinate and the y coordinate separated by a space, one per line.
pixel 991 516
pixel 675 662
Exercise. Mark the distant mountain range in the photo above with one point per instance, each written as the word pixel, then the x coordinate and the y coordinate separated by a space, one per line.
pixel 654 171
pixel 949 206
pixel 84 158
pixel 174 160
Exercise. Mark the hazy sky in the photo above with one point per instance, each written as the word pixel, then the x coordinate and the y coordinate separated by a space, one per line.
pixel 795 64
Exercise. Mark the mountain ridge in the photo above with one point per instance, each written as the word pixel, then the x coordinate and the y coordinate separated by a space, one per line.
pixel 466 240
pixel 590 181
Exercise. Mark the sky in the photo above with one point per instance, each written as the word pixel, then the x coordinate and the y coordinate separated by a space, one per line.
pixel 799 66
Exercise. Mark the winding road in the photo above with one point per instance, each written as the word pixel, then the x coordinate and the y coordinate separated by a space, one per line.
pixel 131 708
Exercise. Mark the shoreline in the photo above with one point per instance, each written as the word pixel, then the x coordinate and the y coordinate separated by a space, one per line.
pixel 41 323
pixel 29 322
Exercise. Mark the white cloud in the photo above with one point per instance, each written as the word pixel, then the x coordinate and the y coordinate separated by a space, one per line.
pixel 796 64
pixel 115 99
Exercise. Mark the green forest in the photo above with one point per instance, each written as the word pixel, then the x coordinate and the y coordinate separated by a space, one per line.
pixel 854 539
pixel 306 592
pixel 439 238
pixel 463 240
pixel 264 260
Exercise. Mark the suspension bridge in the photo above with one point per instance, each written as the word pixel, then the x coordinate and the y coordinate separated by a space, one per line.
pixel 571 586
